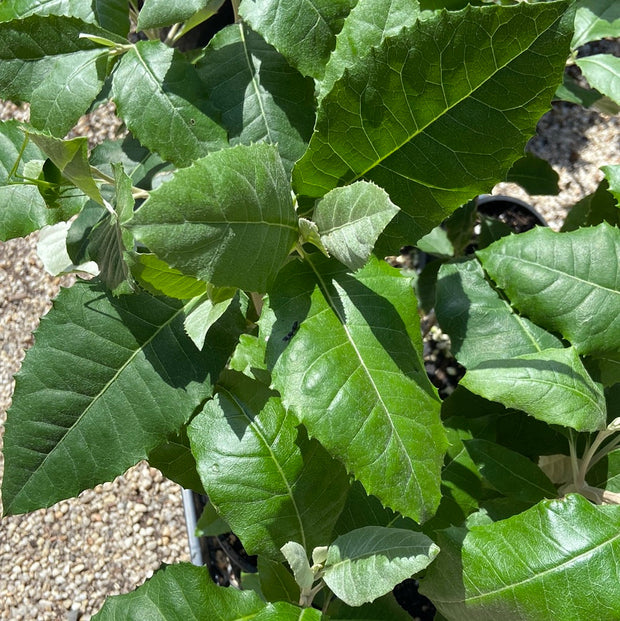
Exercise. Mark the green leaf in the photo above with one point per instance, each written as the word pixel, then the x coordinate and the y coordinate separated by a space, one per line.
pixel 261 98
pixel 562 281
pixel 210 524
pixel 601 206
pixel 228 219
pixel 352 373
pixel 564 566
pixel 612 175
pixel 603 73
pixel 107 380
pixel 384 608
pixel 369 23
pixel 304 32
pixel 534 175
pixel 182 591
pixel 369 562
pixel 481 324
pixel 203 312
pixel 23 209
pixel 283 611
pixel 154 82
pixel 249 358
pixel 175 461
pixel 109 14
pixel 276 581
pixel 69 87
pixel 159 278
pixel 71 158
pixel 370 125
pixel 262 474
pixel 52 250
pixel 140 164
pixel 551 385
pixel 509 472
pixel 159 13
pixel 351 219
pixel 595 19
pixel 436 242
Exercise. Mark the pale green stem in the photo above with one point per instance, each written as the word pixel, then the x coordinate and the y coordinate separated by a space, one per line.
pixel 170 37
pixel 601 436
pixel 235 7
pixel 19 157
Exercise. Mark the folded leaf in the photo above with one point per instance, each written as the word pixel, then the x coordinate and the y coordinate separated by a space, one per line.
pixel 261 473
pixel 351 219
pixel 551 385
pixel 182 591
pixel 345 352
pixel 228 219
pixel 261 98
pixel 107 380
pixel 304 32
pixel 154 82
pixel 371 125
pixel 557 560
pixel 563 282
pixel 481 324
pixel 369 562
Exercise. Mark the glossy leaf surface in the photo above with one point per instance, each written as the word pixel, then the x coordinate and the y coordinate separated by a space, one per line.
pixel 154 82
pixel 481 575
pixel 268 482
pixel 369 562
pixel 228 219
pixel 551 385
pixel 371 125
pixel 107 380
pixel 303 31
pixel 603 73
pixel 352 374
pixel 565 282
pixel 260 97
pixel 481 324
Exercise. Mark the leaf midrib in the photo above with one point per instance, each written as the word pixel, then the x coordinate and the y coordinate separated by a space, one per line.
pixel 448 108
pixel 96 398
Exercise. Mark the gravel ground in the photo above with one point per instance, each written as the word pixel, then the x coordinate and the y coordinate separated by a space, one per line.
pixel 62 562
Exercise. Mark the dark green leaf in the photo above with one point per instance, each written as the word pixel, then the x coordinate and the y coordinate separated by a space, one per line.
pixel 351 219
pixel 228 219
pixel 210 523
pixel 109 14
pixel 182 591
pixel 534 175
pixel 260 97
pixel 384 608
pixel 594 209
pixel 352 373
pixel 551 385
pixel 369 23
pixel 509 472
pixel 562 281
pixel 304 32
pixel 612 174
pixel 175 461
pixel 557 560
pixel 154 82
pixel 276 581
pixel 107 380
pixel 369 562
pixel 481 324
pixel 204 311
pixel 262 474
pixel 370 125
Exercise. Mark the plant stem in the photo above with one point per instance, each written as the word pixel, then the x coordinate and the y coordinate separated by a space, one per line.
pixel 235 8
pixel 19 157
pixel 171 36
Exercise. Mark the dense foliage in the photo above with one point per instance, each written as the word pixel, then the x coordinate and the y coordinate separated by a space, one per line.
pixel 244 334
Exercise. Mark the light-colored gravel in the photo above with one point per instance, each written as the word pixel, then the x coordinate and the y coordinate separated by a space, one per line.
pixel 62 562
